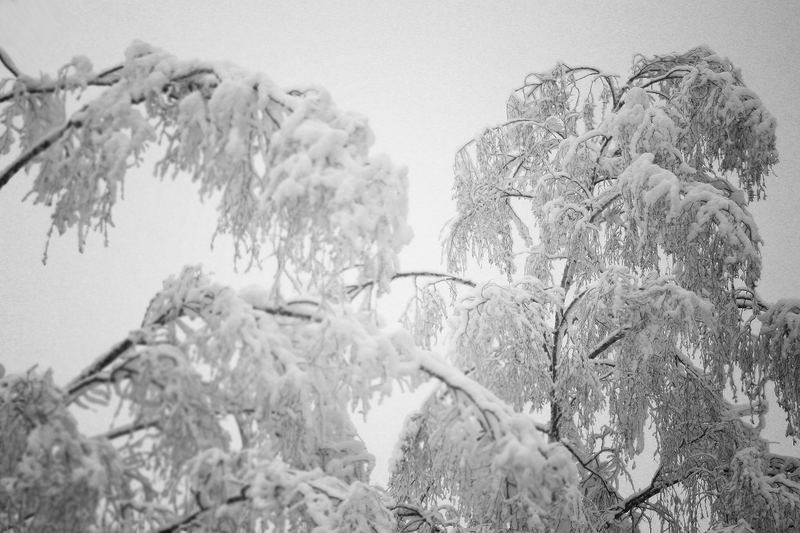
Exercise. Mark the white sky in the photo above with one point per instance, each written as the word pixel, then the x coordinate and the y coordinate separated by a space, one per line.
pixel 429 75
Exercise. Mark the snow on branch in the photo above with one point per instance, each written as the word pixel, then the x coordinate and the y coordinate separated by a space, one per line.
pixel 503 331
pixel 470 448
pixel 289 167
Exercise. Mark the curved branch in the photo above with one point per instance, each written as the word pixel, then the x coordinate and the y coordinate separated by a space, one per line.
pixel 675 73
pixel 584 465
pixel 354 290
pixel 556 134
pixel 51 87
pixel 456 380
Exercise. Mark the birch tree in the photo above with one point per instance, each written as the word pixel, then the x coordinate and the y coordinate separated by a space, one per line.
pixel 616 214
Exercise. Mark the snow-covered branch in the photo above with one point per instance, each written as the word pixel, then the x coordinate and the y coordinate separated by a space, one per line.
pixel 89 375
pixel 43 144
pixel 607 342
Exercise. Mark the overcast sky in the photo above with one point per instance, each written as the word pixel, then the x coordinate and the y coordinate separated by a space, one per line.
pixel 429 75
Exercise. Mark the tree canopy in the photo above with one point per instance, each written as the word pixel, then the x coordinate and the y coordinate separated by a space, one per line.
pixel 625 324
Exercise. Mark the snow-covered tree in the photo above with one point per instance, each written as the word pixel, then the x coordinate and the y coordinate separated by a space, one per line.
pixel 635 316
pixel 617 211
